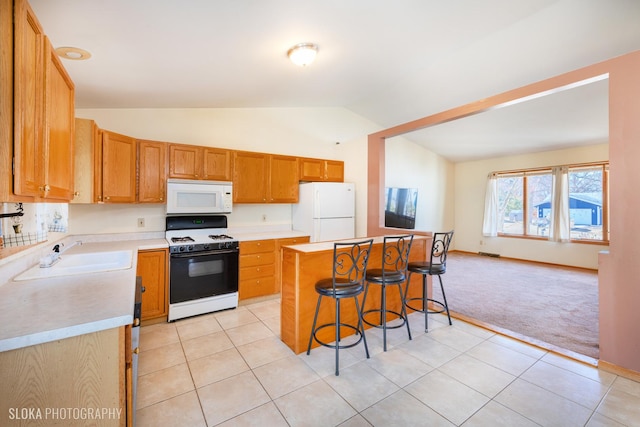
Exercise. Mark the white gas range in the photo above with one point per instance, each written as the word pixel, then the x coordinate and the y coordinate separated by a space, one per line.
pixel 203 267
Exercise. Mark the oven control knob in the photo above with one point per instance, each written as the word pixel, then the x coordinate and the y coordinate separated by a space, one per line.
pixel 205 247
pixel 181 249
pixel 190 247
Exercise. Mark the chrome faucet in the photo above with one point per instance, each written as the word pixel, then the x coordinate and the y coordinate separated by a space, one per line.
pixel 49 260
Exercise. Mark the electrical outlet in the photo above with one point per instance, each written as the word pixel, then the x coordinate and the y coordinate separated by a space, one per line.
pixel 140 222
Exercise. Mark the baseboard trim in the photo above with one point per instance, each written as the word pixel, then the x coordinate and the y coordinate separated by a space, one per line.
pixel 523 260
pixel 618 370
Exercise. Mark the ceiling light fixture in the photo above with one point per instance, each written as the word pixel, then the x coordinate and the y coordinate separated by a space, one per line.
pixel 74 53
pixel 303 54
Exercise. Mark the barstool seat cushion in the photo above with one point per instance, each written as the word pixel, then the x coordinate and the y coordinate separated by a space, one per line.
pixel 424 267
pixel 375 275
pixel 344 288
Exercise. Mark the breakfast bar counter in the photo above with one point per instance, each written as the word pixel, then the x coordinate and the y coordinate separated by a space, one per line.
pixel 303 265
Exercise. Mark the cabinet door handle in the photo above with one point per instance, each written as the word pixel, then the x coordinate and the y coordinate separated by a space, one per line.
pixel 106 197
pixel 76 193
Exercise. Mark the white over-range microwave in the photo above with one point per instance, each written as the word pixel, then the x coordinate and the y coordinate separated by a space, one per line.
pixel 199 197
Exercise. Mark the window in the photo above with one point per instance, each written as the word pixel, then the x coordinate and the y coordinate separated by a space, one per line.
pixel 510 204
pixel 539 193
pixel 586 202
pixel 525 200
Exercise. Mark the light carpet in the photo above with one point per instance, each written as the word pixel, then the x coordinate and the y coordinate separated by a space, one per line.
pixel 552 304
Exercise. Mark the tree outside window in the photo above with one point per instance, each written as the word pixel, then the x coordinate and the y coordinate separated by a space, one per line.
pixel 525 202
pixel 539 193
pixel 510 204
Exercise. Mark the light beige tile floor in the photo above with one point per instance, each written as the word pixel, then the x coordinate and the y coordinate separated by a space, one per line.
pixel 231 369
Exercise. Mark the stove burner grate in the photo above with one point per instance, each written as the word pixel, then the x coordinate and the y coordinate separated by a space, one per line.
pixel 220 237
pixel 182 239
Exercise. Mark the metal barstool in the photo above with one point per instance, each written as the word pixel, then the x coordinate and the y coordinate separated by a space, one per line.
pixel 349 266
pixel 436 266
pixel 395 259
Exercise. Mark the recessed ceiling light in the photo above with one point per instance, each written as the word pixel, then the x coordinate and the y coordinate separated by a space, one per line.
pixel 303 54
pixel 74 53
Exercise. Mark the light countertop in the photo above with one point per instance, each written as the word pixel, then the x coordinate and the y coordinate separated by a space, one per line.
pixel 43 310
pixel 328 246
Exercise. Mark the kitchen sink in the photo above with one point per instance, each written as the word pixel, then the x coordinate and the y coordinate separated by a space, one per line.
pixel 80 263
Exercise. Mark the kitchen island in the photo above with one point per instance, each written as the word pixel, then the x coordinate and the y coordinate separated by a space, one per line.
pixel 303 265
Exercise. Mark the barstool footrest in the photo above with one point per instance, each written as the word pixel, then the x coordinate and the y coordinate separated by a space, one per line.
pixel 344 325
pixel 379 312
pixel 443 308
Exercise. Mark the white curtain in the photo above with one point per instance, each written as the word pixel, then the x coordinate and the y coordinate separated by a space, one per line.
pixel 490 222
pixel 560 228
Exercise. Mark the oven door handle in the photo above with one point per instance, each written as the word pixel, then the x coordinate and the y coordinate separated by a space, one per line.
pixel 207 253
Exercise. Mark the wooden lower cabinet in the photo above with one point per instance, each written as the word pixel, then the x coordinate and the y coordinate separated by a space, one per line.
pixel 152 267
pixel 59 382
pixel 260 262
pixel 257 269
pixel 279 244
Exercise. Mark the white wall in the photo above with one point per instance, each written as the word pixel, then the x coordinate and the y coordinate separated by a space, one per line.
pixel 408 165
pixel 469 190
pixel 331 133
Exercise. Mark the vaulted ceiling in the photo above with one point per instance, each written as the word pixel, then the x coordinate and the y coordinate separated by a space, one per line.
pixel 388 61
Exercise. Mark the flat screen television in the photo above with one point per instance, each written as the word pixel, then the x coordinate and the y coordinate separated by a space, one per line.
pixel 400 207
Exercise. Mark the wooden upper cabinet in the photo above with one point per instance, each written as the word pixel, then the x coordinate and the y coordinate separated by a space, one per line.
pixel 185 161
pixel 321 170
pixel 28 102
pixel 59 128
pixel 196 162
pixel 43 113
pixel 283 179
pixel 85 134
pixel 334 171
pixel 249 177
pixel 118 168
pixel 264 178
pixel 217 164
pixel 152 171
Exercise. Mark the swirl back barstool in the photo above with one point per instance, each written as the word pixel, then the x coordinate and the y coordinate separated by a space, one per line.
pixel 347 281
pixel 395 260
pixel 436 266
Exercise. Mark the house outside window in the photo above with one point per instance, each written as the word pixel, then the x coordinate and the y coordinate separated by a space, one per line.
pixel 525 202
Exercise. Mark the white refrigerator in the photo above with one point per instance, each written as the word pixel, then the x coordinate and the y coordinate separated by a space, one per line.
pixel 326 211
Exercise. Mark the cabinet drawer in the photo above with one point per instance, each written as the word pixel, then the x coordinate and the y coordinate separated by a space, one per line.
pixel 257 259
pixel 256 246
pixel 257 287
pixel 257 272
pixel 293 241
